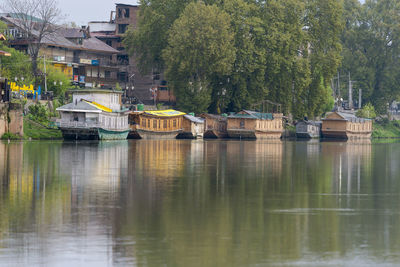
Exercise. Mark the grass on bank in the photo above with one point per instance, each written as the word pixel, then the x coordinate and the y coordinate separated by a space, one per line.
pixel 386 129
pixel 36 131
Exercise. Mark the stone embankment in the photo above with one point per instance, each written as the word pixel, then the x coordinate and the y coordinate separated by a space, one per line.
pixel 11 119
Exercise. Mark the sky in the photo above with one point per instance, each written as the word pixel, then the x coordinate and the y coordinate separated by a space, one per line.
pixel 83 11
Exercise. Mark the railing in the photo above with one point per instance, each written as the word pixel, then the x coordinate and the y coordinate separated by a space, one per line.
pixel 77 124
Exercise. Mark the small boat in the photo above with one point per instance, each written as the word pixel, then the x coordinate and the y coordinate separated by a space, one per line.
pixel 308 129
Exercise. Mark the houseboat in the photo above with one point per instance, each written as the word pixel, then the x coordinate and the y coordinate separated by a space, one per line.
pixel 345 126
pixel 193 127
pixel 94 114
pixel 155 124
pixel 215 126
pixel 255 125
pixel 308 129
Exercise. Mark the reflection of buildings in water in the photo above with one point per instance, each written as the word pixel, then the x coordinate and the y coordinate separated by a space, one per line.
pixel 350 159
pixel 95 166
pixel 160 159
pixel 265 155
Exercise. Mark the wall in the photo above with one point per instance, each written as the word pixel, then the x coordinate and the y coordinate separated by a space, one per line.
pixel 110 100
pixel 11 120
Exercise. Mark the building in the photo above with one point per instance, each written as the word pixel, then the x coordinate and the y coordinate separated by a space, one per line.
pixel 139 87
pixel 85 59
pixel 94 114
pixel 345 126
pixel 255 125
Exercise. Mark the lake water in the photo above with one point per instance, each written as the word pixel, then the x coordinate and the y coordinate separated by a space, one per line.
pixel 199 203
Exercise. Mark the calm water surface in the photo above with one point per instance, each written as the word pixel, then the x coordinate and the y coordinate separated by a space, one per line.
pixel 199 203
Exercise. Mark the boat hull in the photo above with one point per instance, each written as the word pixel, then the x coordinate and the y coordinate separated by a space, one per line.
pixel 112 135
pixel 80 133
pixel 213 134
pixel 143 134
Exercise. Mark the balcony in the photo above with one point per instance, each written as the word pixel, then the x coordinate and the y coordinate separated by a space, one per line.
pixel 77 124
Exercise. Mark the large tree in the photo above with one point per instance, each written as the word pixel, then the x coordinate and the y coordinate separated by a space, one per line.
pixel 37 19
pixel 200 46
pixel 372 49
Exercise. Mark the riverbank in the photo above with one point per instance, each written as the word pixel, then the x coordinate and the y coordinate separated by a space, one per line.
pixel 386 129
pixel 35 131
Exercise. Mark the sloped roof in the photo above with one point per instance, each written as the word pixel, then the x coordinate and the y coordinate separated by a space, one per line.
pixel 248 114
pixel 347 116
pixel 60 37
pixel 194 119
pixel 81 106
pixel 97 45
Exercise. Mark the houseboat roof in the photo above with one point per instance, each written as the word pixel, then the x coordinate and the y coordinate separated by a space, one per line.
pixel 315 123
pixel 345 116
pixel 248 114
pixel 214 116
pixel 90 90
pixel 164 113
pixel 81 106
pixel 194 119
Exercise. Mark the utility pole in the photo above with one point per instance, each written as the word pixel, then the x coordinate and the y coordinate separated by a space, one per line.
pixel 359 98
pixel 350 94
pixel 45 75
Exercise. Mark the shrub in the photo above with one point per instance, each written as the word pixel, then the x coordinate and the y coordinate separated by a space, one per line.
pixel 368 111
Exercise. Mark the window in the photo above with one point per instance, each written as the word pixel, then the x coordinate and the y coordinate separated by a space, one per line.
pixel 123 13
pixel 165 124
pixel 174 123
pixel 122 28
pixel 154 124
pixel 148 123
pixel 242 124
pixel 143 122
pixel 107 74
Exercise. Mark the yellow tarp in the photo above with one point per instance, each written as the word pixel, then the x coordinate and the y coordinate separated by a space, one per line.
pixel 165 113
pixel 97 105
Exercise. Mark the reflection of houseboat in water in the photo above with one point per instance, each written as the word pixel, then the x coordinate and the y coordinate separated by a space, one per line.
pixel 94 114
pixel 345 126
pixel 157 124
pixel 215 126
pixel 252 125
pixel 308 129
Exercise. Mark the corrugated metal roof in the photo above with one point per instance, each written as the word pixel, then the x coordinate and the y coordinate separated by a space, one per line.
pixel 165 113
pixel 194 119
pixel 252 115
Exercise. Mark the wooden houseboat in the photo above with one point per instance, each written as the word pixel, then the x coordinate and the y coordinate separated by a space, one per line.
pixel 215 126
pixel 193 127
pixel 345 126
pixel 254 125
pixel 94 114
pixel 155 124
pixel 308 129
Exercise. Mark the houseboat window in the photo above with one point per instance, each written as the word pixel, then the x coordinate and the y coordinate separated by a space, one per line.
pixel 174 122
pixel 154 124
pixel 169 123
pixel 165 124
pixel 143 122
pixel 241 124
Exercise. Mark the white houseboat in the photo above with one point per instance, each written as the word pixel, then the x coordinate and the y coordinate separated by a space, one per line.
pixel 94 114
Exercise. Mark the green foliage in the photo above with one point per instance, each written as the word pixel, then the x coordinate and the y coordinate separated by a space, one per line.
pixel 371 51
pixel 387 129
pixel 283 50
pixel 11 136
pixel 368 111
pixel 38 132
pixel 118 87
pixel 17 65
pixel 38 113
pixel 199 47
pixel 57 81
